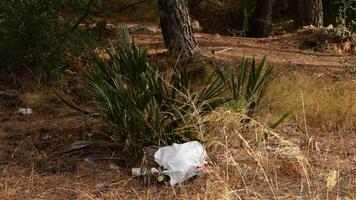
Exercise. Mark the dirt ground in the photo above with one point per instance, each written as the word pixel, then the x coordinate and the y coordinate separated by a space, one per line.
pixel 32 168
pixel 282 50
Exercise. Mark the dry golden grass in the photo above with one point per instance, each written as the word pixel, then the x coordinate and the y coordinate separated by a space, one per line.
pixel 307 165
pixel 329 100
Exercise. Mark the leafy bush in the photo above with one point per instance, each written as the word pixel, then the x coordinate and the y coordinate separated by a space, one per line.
pixel 31 31
pixel 282 27
pixel 137 10
pixel 27 30
pixel 245 24
pixel 340 13
pixel 347 14
pixel 142 107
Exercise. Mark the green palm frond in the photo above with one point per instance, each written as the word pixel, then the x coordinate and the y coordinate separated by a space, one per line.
pixel 249 84
pixel 139 107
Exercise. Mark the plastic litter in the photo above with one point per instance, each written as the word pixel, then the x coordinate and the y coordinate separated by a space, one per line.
pixel 181 161
pixel 24 111
pixel 144 171
pixel 114 166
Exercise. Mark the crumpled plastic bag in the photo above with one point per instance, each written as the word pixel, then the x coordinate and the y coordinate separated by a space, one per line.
pixel 181 161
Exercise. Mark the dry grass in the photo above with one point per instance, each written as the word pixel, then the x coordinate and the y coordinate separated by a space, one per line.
pixel 303 165
pixel 239 168
pixel 330 100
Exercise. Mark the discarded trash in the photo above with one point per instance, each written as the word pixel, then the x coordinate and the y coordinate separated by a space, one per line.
pixel 150 174
pixel 143 171
pixel 90 160
pixel 114 166
pixel 24 111
pixel 181 161
pixel 9 94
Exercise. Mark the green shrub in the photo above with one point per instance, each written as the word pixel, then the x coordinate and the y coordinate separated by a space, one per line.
pixel 32 32
pixel 347 14
pixel 140 106
pixel 282 27
pixel 27 31
pixel 340 13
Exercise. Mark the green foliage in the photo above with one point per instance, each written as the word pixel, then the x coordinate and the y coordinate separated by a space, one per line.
pixel 340 13
pixel 248 86
pixel 33 32
pixel 347 14
pixel 245 24
pixel 27 30
pixel 282 27
pixel 139 107
pixel 145 10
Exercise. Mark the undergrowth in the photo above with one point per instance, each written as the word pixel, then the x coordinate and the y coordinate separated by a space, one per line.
pixel 328 104
pixel 141 106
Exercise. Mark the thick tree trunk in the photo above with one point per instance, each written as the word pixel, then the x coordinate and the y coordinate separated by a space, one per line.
pixel 310 12
pixel 262 18
pixel 176 28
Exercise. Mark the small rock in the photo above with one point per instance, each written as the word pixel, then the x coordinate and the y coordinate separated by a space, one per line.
pixel 309 27
pixel 353 38
pixel 196 26
pixel 330 27
pixel 291 128
pixel 102 186
pixel 90 160
pixel 105 186
pixel 269 148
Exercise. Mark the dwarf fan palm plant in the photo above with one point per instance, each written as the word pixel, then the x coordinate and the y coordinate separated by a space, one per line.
pixel 140 108
pixel 248 86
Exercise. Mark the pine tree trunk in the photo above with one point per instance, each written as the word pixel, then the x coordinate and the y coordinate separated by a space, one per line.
pixel 263 18
pixel 176 28
pixel 310 12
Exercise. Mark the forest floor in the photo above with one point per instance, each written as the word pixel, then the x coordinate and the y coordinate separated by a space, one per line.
pixel 312 156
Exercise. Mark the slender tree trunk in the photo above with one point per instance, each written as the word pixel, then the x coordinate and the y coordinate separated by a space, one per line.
pixel 176 28
pixel 310 12
pixel 263 18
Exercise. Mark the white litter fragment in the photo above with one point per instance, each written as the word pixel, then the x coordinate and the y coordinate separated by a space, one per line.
pixel 181 161
pixel 143 171
pixel 24 111
pixel 114 166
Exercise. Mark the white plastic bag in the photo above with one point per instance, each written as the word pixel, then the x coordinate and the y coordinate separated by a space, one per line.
pixel 181 161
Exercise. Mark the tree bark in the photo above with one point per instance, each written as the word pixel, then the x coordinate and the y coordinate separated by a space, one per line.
pixel 310 12
pixel 176 28
pixel 262 18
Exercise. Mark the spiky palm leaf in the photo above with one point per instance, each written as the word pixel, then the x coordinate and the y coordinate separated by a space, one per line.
pixel 139 107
